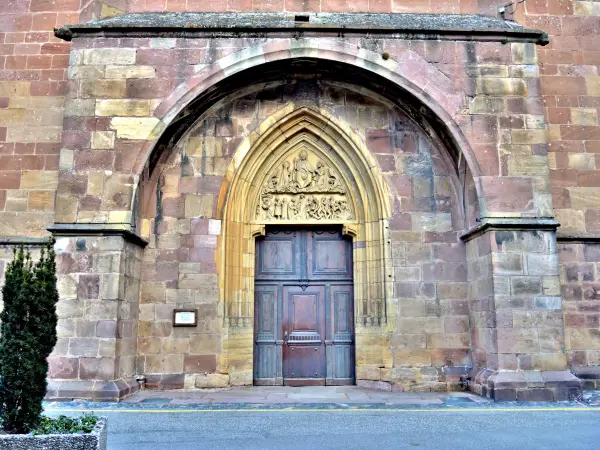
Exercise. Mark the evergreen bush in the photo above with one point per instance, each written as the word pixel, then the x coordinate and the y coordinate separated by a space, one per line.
pixel 27 337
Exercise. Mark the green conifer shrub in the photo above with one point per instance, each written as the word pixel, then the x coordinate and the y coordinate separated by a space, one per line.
pixel 27 337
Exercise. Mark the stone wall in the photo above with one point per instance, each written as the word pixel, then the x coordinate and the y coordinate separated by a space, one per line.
pixel 530 116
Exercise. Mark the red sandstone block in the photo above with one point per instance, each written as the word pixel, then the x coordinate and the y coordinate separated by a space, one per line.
pixel 15 62
pixel 199 363
pixel 548 69
pixel 51 162
pixel 588 178
pixel 153 57
pixel 64 18
pixel 563 85
pixel 39 62
pixel 76 139
pixel 414 6
pixel 591 58
pixel 15 23
pixel 206 255
pixel 9 179
pixel 91 159
pixel 379 140
pixel 558 115
pixel 592 320
pixel 401 221
pixel 7 49
pixel 176 5
pixel 380 6
pixel 27 49
pixel 580 132
pixel 239 5
pixel 560 7
pixel 44 21
pixel 2 203
pixel 4 104
pixel 14 38
pixel 167 271
pixel 52 75
pixel 55 49
pixel 155 5
pixel 578 26
pixel 148 88
pixel 54 5
pixel 173 207
pixel 60 61
pixel 592 220
pixel 214 5
pixel 37 36
pixel 563 177
pixel 507 193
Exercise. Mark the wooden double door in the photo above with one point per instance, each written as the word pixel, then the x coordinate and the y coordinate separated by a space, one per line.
pixel 304 309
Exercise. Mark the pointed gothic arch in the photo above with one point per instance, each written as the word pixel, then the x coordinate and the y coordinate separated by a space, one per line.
pixel 355 177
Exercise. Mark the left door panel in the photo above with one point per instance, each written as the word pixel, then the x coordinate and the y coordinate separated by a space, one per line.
pixel 267 339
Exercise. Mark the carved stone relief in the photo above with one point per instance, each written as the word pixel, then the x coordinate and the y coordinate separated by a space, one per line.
pixel 303 188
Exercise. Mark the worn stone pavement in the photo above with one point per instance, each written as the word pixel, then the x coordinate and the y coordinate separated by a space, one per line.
pixel 318 396
pixel 298 395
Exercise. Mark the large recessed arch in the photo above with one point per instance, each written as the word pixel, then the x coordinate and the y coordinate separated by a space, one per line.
pixel 409 82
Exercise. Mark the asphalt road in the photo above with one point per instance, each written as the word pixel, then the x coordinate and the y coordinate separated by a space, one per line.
pixel 356 429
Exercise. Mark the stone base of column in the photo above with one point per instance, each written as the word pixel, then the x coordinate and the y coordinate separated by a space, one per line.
pixel 66 390
pixel 589 376
pixel 527 386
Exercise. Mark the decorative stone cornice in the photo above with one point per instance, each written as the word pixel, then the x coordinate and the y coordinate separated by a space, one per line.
pixel 470 27
pixel 578 238
pixel 97 229
pixel 510 223
pixel 27 241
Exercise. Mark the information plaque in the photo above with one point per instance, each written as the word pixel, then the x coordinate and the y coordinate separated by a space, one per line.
pixel 185 317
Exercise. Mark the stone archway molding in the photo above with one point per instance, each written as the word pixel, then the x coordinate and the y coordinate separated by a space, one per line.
pixel 293 136
pixel 419 78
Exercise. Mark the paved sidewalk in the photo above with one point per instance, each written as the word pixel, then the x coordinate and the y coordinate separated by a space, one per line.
pixel 276 395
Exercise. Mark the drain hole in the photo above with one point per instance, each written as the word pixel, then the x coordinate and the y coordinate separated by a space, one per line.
pixel 302 18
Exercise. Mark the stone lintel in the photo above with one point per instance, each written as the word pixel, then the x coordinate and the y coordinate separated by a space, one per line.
pixel 509 223
pixel 27 241
pixel 66 390
pixel 470 27
pixel 532 385
pixel 97 229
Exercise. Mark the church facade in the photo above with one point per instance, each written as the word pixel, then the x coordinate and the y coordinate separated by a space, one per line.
pixel 310 193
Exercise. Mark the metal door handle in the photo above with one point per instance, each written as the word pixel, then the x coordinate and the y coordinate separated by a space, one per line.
pixel 285 337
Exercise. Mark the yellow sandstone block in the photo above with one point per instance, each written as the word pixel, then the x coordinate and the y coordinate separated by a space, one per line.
pixel 103 139
pixel 41 200
pixel 37 179
pixel 134 127
pixel 129 72
pixel 123 108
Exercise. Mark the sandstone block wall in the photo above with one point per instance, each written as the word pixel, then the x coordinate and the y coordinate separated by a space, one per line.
pixel 74 124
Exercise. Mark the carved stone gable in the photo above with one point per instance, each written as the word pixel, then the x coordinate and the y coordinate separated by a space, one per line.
pixel 303 187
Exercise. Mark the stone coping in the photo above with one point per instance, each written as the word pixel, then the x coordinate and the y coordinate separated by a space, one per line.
pixel 415 26
pixel 578 238
pixel 27 241
pixel 97 229
pixel 510 223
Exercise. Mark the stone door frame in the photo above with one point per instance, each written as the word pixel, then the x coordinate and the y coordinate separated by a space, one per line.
pixel 283 134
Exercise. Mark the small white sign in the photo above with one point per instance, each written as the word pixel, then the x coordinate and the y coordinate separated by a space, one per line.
pixel 184 318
